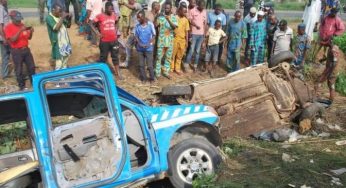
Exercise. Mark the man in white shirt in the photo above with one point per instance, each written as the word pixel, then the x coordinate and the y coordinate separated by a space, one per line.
pixel 94 8
pixel 282 40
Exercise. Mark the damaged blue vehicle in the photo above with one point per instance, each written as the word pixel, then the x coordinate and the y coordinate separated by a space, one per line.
pixel 76 128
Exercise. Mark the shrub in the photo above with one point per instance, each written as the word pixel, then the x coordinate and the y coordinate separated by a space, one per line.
pixel 341 42
pixel 341 84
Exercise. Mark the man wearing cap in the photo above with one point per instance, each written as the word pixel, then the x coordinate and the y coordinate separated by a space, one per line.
pixel 249 20
pixel 18 36
pixel 282 40
pixel 5 48
pixel 303 42
pixel 258 36
pixel 248 4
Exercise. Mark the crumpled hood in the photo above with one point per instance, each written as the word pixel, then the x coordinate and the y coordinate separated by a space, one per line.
pixel 168 116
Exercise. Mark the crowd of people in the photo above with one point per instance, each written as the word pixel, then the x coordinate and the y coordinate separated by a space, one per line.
pixel 169 37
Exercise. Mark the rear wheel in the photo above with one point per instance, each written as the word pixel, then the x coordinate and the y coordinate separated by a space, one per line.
pixel 190 158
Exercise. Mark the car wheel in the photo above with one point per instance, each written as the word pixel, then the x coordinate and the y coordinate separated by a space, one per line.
pixel 286 56
pixel 190 158
pixel 176 90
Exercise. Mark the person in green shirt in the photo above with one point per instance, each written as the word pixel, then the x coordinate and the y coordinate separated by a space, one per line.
pixel 61 46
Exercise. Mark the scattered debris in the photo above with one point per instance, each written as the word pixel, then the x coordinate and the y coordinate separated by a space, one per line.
pixel 285 146
pixel 304 125
pixel 287 158
pixel 327 150
pixel 334 127
pixel 304 186
pixel 279 135
pixel 291 185
pixel 338 172
pixel 324 134
pixel 336 181
pixel 319 121
pixel 311 161
pixel 341 142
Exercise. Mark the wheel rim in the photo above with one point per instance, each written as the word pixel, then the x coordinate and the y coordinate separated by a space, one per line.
pixel 193 162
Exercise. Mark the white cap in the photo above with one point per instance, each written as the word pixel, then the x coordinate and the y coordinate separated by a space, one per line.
pixel 253 10
pixel 260 13
pixel 184 1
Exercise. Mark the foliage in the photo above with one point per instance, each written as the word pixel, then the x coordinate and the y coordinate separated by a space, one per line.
pixel 341 84
pixel 341 42
pixel 14 137
pixel 204 181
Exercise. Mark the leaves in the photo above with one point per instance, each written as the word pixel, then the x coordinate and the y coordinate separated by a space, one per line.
pixel 14 137
pixel 341 83
pixel 341 42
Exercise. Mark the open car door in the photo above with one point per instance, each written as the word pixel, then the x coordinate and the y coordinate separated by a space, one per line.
pixel 87 147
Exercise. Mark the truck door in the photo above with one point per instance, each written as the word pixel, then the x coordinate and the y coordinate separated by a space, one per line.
pixel 86 147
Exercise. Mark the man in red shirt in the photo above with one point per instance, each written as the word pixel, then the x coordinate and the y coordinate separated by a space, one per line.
pixel 108 41
pixel 331 26
pixel 18 36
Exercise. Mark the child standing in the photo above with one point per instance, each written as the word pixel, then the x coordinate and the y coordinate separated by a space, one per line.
pixel 145 38
pixel 215 36
pixel 302 45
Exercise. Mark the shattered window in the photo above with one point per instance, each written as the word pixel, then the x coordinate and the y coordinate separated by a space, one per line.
pixel 14 132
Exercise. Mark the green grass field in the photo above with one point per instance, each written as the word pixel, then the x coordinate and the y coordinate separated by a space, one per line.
pixel 23 4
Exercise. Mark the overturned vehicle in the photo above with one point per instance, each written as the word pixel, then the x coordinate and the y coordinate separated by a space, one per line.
pixel 253 99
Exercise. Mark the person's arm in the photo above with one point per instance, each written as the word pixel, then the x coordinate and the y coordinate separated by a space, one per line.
pixel 173 26
pixel 205 26
pixel 31 32
pixel 2 33
pixel 61 21
pixel 340 28
pixel 15 37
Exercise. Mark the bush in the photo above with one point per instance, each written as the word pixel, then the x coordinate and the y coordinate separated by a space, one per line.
pixel 341 84
pixel 341 42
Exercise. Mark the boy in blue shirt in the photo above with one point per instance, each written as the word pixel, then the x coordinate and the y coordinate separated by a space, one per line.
pixel 145 38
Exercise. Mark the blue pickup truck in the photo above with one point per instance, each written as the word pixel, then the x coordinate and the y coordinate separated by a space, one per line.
pixel 78 129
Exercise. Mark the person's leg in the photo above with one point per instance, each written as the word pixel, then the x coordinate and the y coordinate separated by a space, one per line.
pixel 30 63
pixel 76 10
pixel 141 58
pixel 179 56
pixel 260 58
pixel 269 48
pixel 174 55
pixel 236 59
pixel 129 45
pixel 158 61
pixel 198 46
pixel 5 57
pixel 17 58
pixel 150 60
pixel 103 52
pixel 41 7
pixel 168 60
pixel 220 53
pixel 115 58
pixel 191 50
pixel 254 56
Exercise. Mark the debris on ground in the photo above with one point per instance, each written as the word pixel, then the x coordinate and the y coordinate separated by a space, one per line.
pixel 304 186
pixel 287 158
pixel 291 185
pixel 338 172
pixel 279 135
pixel 341 142
pixel 324 134
pixel 336 181
pixel 334 127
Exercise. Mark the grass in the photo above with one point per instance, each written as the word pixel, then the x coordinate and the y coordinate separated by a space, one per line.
pixel 259 164
pixel 23 4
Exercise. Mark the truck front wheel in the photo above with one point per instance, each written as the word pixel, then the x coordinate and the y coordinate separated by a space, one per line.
pixel 190 158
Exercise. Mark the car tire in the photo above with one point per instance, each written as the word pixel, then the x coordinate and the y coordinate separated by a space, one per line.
pixel 286 56
pixel 176 90
pixel 185 165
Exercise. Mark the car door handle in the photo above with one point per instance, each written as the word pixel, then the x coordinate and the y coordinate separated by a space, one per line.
pixel 88 139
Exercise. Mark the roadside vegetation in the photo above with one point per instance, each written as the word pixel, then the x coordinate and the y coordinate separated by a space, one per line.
pixel 253 163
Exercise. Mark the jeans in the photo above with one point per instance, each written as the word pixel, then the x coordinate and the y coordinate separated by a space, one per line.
pixel 21 56
pixel 196 44
pixel 233 60
pixel 146 57
pixel 5 58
